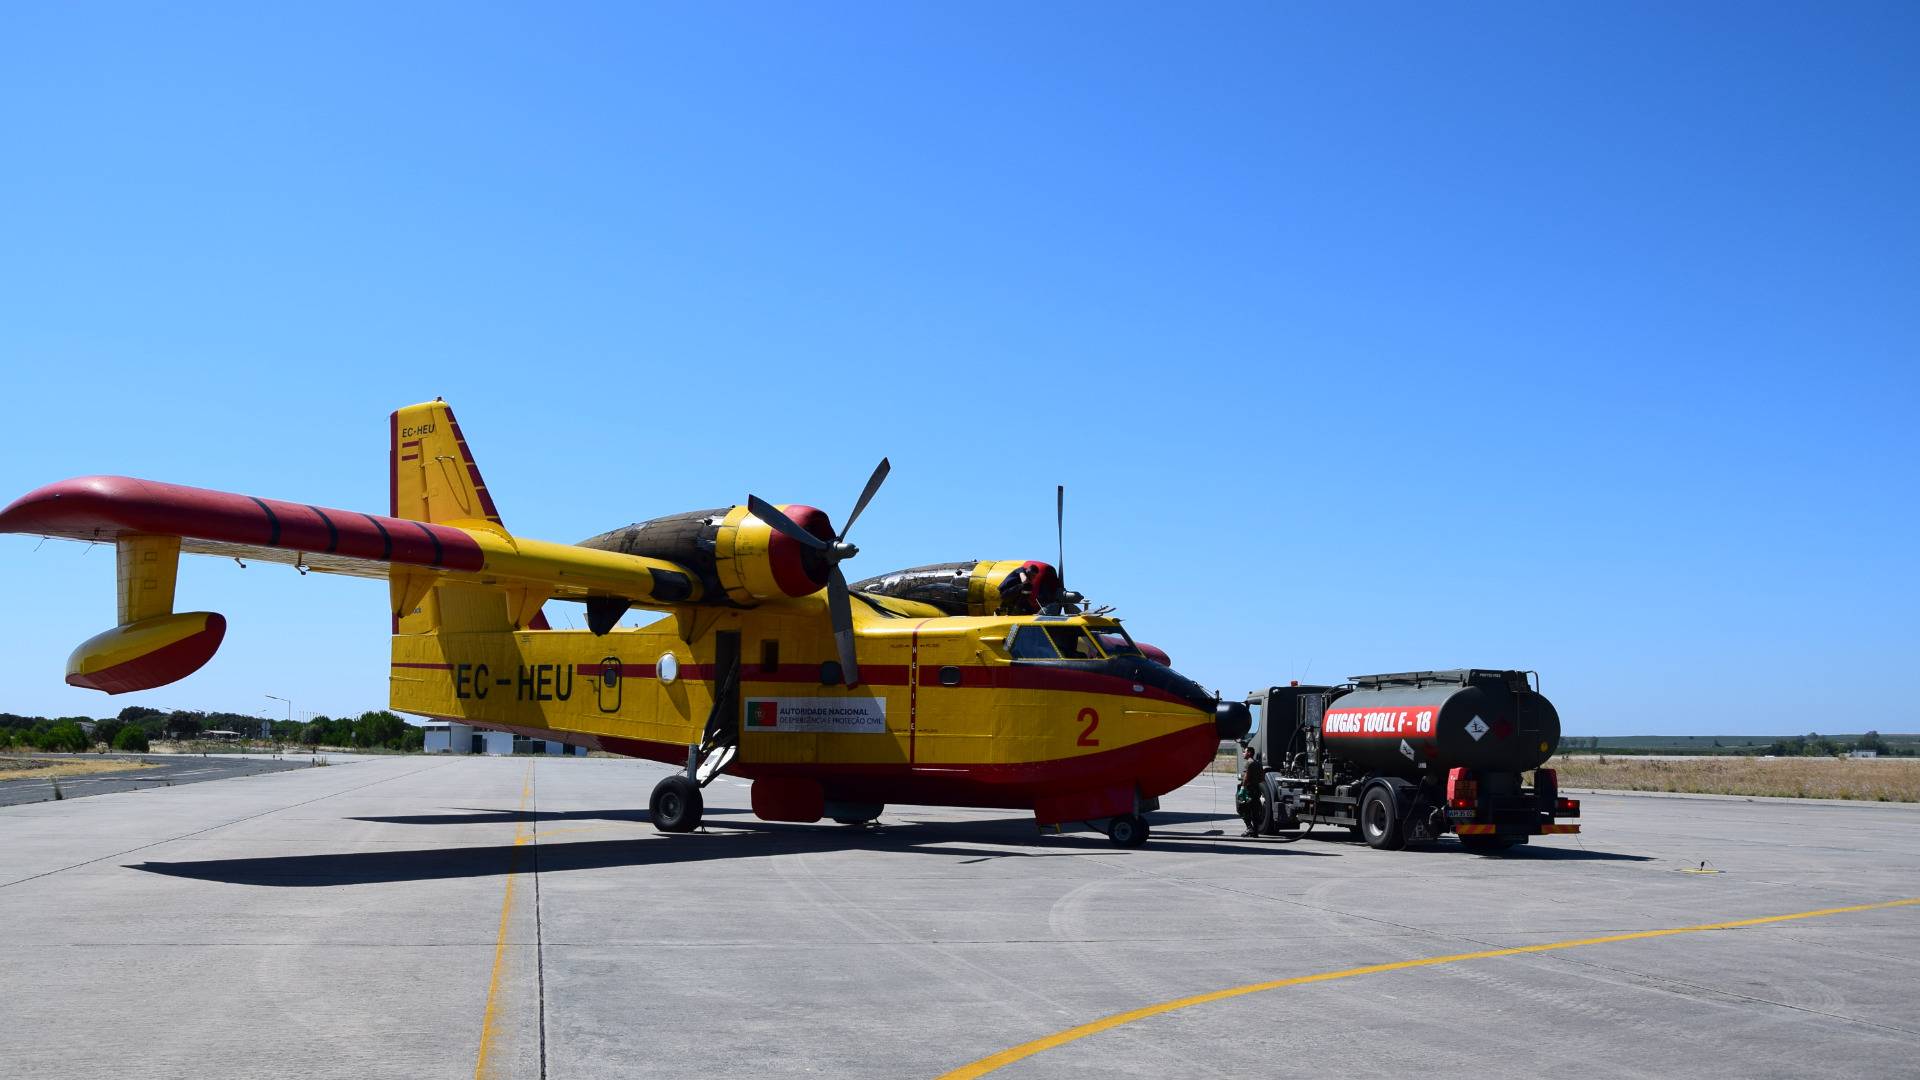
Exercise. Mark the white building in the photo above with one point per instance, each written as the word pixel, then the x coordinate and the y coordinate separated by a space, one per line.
pixel 444 737
pixel 449 737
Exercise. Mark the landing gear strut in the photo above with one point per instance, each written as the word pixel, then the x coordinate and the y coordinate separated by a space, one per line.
pixel 676 805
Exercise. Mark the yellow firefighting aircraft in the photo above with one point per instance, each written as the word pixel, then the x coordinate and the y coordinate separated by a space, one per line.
pixel 979 683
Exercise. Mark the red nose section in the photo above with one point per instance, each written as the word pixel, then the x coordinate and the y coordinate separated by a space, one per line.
pixel 1154 653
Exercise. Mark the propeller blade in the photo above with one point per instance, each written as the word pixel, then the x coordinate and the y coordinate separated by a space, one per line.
pixel 873 484
pixel 772 515
pixel 840 611
pixel 1060 532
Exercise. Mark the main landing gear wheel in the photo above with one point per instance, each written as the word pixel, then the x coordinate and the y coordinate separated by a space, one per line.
pixel 1127 831
pixel 859 815
pixel 676 804
pixel 1380 821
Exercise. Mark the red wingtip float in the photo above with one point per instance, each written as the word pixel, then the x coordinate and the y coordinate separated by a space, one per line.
pixel 979 683
pixel 148 653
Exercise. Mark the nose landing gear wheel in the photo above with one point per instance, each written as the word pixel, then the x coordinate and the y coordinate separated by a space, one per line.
pixel 676 805
pixel 1127 831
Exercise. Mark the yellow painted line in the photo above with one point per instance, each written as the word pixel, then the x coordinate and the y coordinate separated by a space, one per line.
pixel 1026 1050
pixel 489 1023
pixel 589 828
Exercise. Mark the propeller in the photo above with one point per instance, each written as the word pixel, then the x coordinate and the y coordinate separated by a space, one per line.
pixel 1066 601
pixel 835 551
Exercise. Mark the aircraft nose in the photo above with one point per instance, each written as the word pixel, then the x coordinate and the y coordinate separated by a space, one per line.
pixel 1232 719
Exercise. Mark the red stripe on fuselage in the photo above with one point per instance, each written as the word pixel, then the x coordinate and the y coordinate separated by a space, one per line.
pixel 972 676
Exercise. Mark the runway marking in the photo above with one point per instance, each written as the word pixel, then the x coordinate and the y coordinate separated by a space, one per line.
pixel 489 1020
pixel 590 828
pixel 1026 1050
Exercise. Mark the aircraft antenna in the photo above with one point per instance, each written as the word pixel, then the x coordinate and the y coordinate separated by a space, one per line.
pixel 1060 531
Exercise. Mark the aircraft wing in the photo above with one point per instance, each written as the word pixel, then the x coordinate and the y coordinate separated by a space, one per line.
pixel 107 509
pixel 449 561
pixel 102 509
pixel 150 523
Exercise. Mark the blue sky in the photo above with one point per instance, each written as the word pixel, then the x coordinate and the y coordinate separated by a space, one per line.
pixel 1575 338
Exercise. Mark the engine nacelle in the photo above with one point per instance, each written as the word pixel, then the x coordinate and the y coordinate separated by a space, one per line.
pixel 977 587
pixel 738 558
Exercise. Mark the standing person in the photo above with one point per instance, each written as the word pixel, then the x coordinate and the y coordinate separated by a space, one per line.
pixel 1250 798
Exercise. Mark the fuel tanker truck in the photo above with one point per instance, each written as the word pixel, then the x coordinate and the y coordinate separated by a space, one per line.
pixel 1407 758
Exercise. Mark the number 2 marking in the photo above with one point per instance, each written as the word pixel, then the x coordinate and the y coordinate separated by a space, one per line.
pixel 1093 724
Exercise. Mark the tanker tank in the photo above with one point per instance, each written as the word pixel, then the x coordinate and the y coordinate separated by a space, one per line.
pixel 1414 723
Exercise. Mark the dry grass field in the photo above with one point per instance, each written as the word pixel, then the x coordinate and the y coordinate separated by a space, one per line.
pixel 1876 780
pixel 38 768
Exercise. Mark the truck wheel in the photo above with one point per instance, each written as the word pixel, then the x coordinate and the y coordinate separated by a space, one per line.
pixel 676 805
pixel 1127 831
pixel 1380 821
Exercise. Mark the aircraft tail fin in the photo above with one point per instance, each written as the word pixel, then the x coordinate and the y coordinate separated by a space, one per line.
pixel 434 475
pixel 436 480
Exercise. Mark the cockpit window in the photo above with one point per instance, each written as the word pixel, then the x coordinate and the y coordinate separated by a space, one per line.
pixel 1031 643
pixel 1073 643
pixel 1115 642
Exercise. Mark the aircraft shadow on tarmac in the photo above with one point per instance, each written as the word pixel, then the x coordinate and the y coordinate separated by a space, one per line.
pixel 1550 854
pixel 473 816
pixel 971 841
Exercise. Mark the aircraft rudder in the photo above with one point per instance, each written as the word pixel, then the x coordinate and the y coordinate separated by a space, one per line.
pixel 434 475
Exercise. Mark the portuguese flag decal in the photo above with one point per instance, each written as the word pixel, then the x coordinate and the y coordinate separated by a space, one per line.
pixel 763 714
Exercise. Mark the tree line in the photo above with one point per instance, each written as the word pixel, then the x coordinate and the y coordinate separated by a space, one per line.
pixel 1812 744
pixel 137 726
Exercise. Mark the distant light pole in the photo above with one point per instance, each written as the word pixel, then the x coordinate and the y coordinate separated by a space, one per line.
pixel 266 726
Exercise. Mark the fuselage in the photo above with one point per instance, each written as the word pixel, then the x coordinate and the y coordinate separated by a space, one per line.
pixel 952 710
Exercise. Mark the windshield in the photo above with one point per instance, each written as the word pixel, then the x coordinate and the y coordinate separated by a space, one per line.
pixel 1073 643
pixel 1115 642
pixel 1052 643
pixel 1031 643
